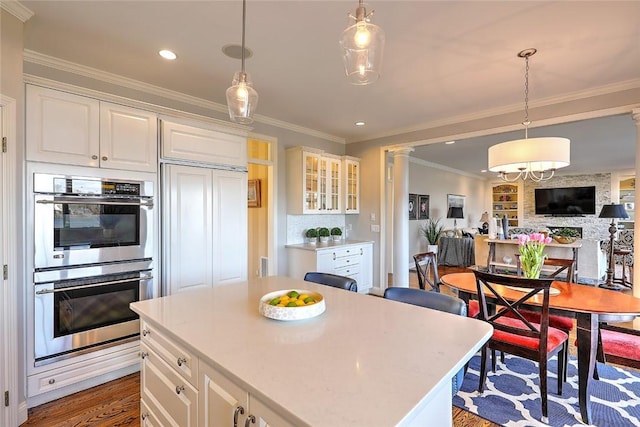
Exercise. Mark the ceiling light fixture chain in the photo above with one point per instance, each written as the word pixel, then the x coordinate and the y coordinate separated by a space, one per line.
pixel 537 158
pixel 242 98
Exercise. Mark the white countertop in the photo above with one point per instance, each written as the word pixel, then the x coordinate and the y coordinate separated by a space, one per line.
pixel 329 244
pixel 365 361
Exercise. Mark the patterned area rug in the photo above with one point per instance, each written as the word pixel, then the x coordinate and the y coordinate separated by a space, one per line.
pixel 511 396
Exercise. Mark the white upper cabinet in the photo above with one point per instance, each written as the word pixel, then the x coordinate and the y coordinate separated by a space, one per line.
pixel 318 182
pixel 77 130
pixel 351 185
pixel 182 141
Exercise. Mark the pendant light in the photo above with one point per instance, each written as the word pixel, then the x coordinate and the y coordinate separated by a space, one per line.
pixel 362 47
pixel 529 158
pixel 242 99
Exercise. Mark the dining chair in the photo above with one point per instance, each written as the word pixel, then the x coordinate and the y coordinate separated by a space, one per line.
pixel 435 301
pixel 559 322
pixel 427 269
pixel 328 279
pixel 517 335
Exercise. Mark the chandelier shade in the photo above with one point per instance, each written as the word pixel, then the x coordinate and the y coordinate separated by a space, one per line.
pixel 242 98
pixel 529 158
pixel 530 155
pixel 362 48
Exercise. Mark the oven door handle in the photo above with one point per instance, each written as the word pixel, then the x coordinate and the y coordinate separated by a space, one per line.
pixel 93 285
pixel 93 201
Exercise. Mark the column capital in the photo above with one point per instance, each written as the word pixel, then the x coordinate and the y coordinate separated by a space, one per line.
pixel 401 150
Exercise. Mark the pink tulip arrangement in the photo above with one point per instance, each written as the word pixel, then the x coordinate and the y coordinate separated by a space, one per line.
pixel 531 249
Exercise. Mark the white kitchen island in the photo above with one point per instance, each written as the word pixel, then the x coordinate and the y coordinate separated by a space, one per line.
pixel 365 361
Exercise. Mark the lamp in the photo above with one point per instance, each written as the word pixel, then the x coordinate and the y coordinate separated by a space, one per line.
pixel 362 44
pixel 455 212
pixel 535 158
pixel 612 211
pixel 484 219
pixel 242 99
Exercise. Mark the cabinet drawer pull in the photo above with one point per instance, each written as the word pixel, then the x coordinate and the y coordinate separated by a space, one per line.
pixel 361 253
pixel 181 361
pixel 146 332
pixel 52 381
pixel 144 416
pixel 179 389
pixel 334 256
pixel 238 411
pixel 94 157
pixel 250 420
pixel 144 354
pixel 105 158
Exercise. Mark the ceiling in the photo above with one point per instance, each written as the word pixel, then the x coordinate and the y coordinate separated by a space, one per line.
pixel 442 60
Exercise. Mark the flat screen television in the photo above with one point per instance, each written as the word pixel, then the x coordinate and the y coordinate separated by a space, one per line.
pixel 566 201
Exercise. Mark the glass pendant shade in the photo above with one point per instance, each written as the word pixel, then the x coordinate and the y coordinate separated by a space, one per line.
pixel 242 99
pixel 362 48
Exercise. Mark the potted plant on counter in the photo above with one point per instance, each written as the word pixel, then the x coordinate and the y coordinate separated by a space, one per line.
pixel 324 234
pixel 565 235
pixel 432 230
pixel 311 235
pixel 336 233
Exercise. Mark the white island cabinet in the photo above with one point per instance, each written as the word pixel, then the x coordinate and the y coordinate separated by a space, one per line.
pixel 210 357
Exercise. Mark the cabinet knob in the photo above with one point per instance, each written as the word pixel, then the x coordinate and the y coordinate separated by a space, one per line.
pixel 179 389
pixel 146 332
pixel 250 420
pixel 181 361
pixel 238 411
pixel 52 381
pixel 144 355
pixel 105 158
pixel 144 416
pixel 94 157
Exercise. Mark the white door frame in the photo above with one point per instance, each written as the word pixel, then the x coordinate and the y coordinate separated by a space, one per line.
pixel 8 256
pixel 272 198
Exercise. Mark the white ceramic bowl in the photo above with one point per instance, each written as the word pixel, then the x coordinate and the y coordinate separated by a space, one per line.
pixel 291 313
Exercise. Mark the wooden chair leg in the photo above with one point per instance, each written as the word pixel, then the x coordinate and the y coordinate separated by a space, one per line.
pixel 562 368
pixel 483 368
pixel 543 390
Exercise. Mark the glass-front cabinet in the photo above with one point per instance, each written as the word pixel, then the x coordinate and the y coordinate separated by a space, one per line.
pixel 505 201
pixel 319 182
pixel 352 185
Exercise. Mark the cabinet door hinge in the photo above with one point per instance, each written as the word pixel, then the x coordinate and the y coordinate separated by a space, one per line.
pixel 5 272
pixel 4 144
pixel 6 398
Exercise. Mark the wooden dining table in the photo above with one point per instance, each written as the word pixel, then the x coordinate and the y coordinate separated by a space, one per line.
pixel 589 305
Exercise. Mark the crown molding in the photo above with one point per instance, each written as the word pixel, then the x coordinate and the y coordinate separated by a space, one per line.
pixel 573 96
pixel 445 168
pixel 16 9
pixel 103 76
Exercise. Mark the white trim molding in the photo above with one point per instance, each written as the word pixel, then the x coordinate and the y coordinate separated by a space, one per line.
pixel 103 76
pixel 16 9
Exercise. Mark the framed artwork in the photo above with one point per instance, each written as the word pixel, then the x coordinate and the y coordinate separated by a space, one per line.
pixel 423 206
pixel 455 200
pixel 253 193
pixel 413 206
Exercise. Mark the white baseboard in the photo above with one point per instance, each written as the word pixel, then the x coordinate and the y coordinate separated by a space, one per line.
pixel 23 412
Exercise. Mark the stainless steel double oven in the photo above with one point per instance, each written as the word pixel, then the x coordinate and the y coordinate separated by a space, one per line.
pixel 93 255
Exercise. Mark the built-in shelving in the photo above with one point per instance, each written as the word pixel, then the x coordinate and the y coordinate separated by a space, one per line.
pixel 505 199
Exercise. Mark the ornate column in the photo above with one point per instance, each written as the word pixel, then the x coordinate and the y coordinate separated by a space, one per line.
pixel 400 243
pixel 635 113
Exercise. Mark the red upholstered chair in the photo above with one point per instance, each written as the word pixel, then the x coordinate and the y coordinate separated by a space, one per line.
pixel 517 335
pixel 619 345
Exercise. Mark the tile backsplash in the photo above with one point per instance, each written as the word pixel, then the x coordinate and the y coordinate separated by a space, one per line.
pixel 298 224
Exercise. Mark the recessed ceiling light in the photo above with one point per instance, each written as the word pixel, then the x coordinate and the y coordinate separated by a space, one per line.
pixel 167 54
pixel 359 123
pixel 450 142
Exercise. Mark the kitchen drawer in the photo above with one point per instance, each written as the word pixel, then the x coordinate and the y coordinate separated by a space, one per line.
pixel 352 271
pixel 350 261
pixel 177 357
pixel 349 251
pixel 149 415
pixel 163 387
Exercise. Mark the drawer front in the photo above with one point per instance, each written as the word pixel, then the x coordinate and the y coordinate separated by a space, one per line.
pixel 352 272
pixel 163 387
pixel 149 415
pixel 177 357
pixel 345 262
pixel 349 251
